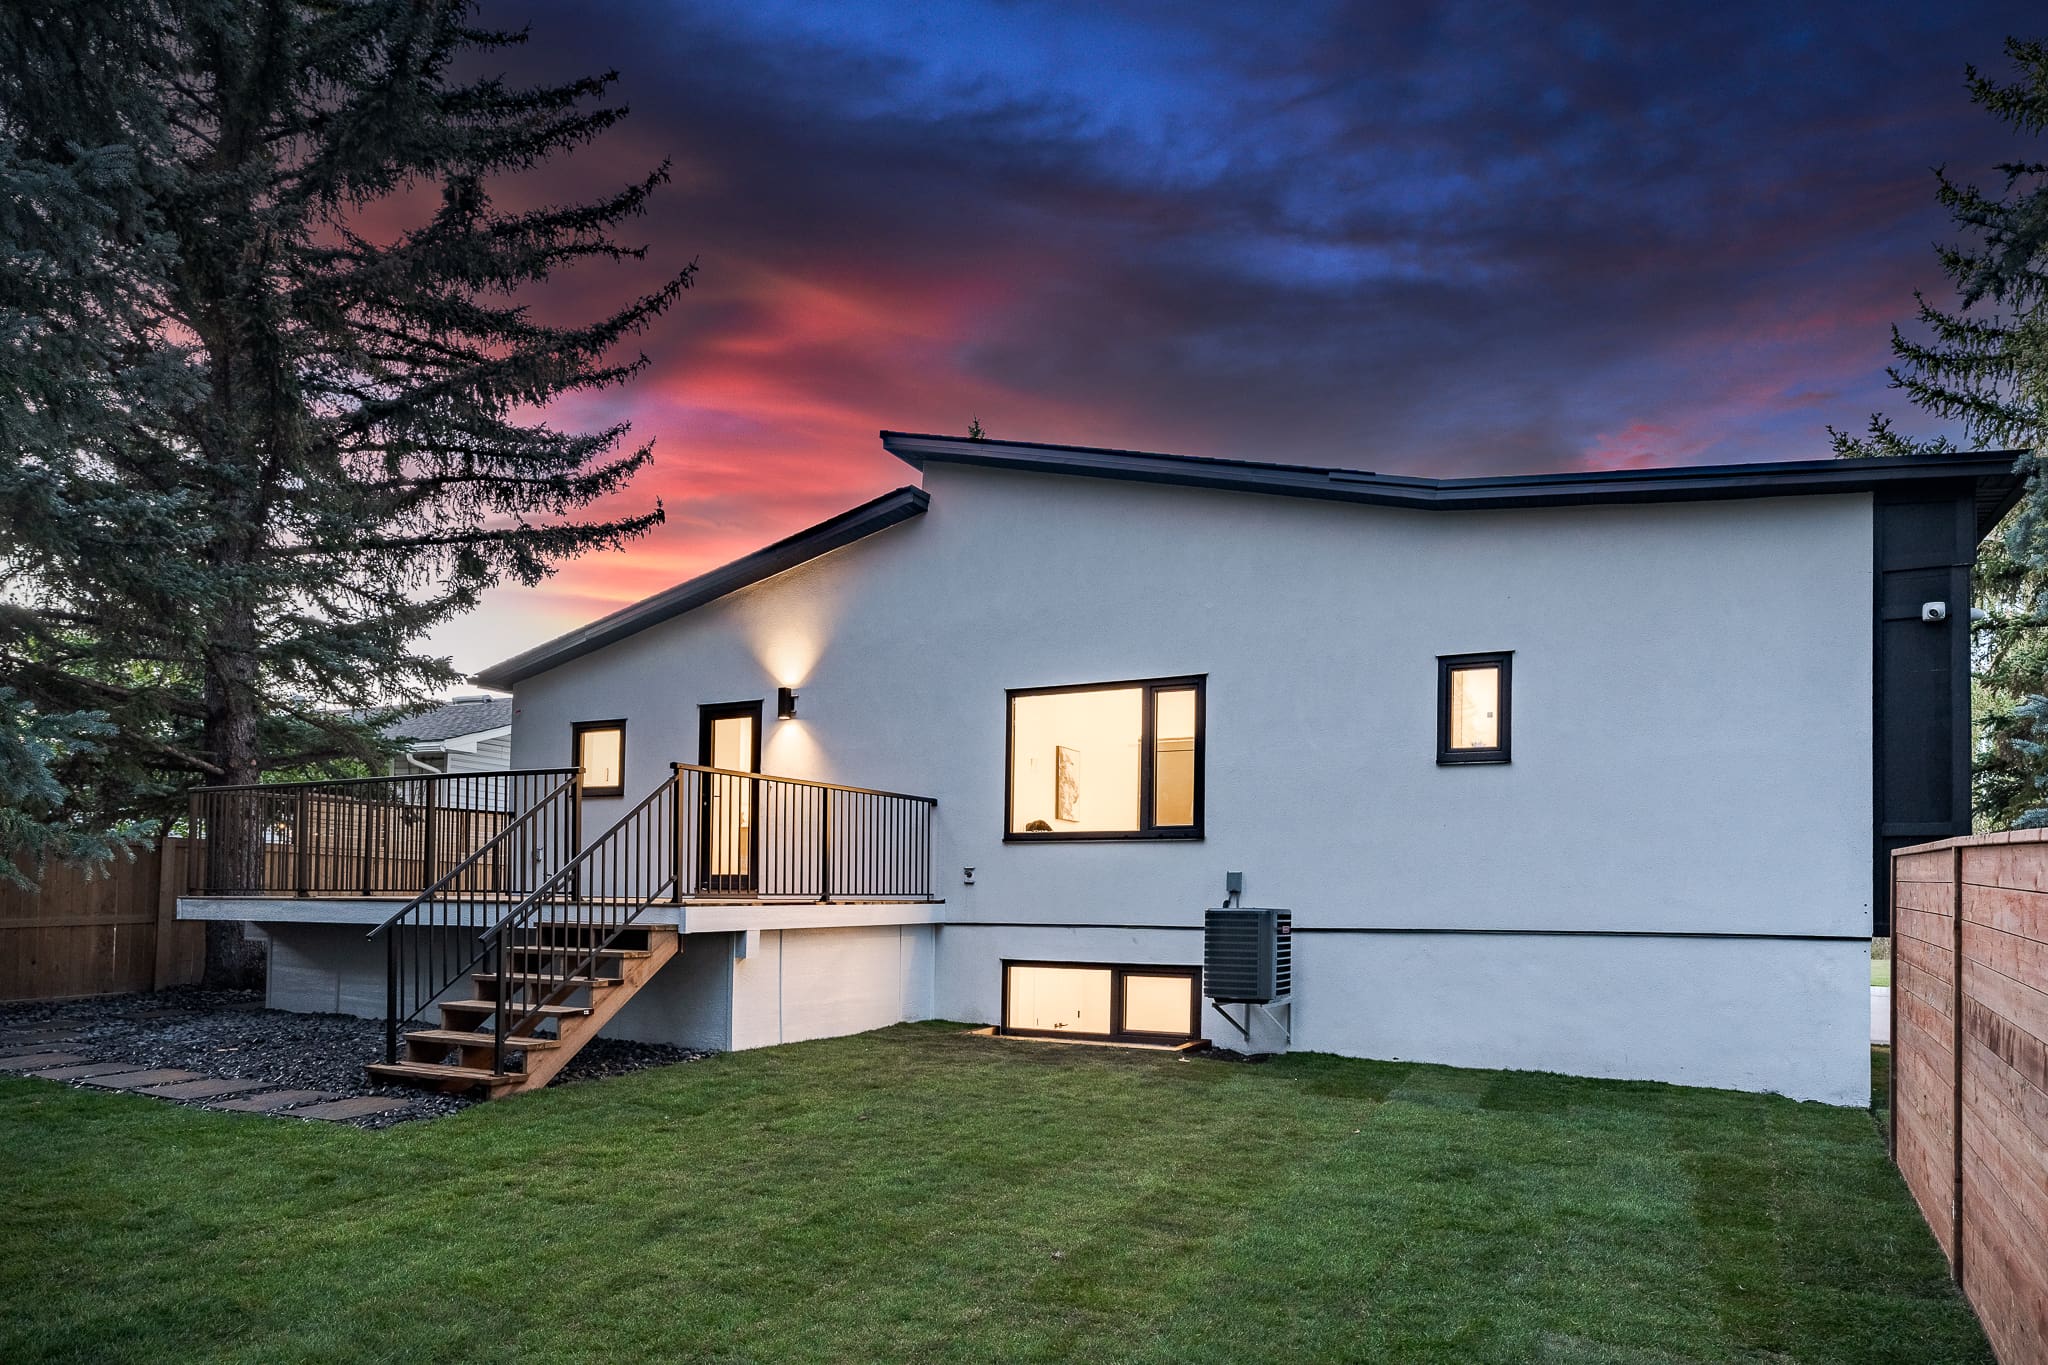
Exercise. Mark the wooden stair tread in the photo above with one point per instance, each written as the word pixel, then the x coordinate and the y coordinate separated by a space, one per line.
pixel 462 1038
pixel 559 948
pixel 491 1007
pixel 549 978
pixel 441 1071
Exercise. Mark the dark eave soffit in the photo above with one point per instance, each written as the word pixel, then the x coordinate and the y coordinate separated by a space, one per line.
pixel 1997 486
pixel 855 524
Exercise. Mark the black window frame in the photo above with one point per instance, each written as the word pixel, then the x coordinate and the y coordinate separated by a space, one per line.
pixel 1148 796
pixel 1447 664
pixel 1117 972
pixel 580 728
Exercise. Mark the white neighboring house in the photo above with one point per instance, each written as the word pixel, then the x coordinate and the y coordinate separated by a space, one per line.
pixel 1589 772
pixel 467 734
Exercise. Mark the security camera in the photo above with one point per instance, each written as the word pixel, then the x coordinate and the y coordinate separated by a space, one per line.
pixel 1934 611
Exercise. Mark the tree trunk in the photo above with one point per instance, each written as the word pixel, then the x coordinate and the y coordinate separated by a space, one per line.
pixel 238 823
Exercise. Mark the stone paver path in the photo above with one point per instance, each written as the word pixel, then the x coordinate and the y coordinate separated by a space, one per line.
pixel 39 1053
pixel 79 1073
pixel 38 1060
pixel 137 1080
pixel 273 1102
pixel 205 1089
pixel 361 1107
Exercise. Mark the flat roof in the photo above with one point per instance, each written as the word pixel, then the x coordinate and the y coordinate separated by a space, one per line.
pixel 1997 486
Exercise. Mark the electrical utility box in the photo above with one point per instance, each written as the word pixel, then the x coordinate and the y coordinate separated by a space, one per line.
pixel 1247 955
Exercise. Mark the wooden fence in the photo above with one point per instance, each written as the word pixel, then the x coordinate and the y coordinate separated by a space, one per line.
pixel 104 934
pixel 1970 1069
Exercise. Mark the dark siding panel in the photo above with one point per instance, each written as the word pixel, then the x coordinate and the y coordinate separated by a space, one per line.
pixel 1924 548
pixel 1918 742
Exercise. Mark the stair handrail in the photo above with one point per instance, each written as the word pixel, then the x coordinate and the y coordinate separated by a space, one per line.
pixel 636 843
pixel 527 822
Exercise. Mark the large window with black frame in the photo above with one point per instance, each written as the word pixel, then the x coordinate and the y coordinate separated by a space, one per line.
pixel 1106 761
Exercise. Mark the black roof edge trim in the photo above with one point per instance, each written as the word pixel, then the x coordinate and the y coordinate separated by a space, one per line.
pixel 1997 485
pixel 856 523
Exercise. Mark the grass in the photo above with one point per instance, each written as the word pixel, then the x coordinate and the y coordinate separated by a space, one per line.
pixel 1880 971
pixel 922 1194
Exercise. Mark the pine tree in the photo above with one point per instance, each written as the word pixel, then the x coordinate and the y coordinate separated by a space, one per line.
pixel 1984 365
pixel 256 445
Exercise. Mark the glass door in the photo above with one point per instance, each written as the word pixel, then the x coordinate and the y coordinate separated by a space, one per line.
pixel 728 843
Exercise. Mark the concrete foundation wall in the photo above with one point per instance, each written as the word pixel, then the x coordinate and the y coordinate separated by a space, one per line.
pixel 688 1003
pixel 821 983
pixel 1740 1014
pixel 792 985
pixel 325 969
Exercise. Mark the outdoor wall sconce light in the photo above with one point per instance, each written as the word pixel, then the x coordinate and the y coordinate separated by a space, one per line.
pixel 785 703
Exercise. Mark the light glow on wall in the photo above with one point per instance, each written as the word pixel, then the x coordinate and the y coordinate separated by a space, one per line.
pixel 789 650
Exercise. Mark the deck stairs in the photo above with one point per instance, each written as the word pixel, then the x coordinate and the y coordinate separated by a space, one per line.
pixel 503 969
pixel 578 994
pixel 543 973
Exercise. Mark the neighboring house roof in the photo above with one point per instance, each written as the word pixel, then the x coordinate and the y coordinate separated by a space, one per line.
pixel 851 525
pixel 1997 489
pixel 453 720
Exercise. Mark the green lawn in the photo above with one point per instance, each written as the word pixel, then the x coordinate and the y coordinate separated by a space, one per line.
pixel 1880 971
pixel 922 1194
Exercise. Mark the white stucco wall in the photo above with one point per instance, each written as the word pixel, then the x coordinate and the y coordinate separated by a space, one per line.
pixel 1692 750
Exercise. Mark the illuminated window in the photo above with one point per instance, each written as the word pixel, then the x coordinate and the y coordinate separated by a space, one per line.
pixel 1101 1001
pixel 1472 696
pixel 600 750
pixel 1107 761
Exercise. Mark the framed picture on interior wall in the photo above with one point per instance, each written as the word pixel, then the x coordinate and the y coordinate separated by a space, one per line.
pixel 1066 782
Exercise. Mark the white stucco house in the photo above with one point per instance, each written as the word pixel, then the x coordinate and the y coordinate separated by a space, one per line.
pixel 1588 772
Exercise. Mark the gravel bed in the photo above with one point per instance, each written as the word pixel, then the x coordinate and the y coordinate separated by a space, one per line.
pixel 228 1034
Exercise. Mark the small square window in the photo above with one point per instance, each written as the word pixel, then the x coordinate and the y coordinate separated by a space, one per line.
pixel 600 751
pixel 1472 708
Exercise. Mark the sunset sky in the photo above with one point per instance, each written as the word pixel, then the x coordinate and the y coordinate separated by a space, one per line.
pixel 1444 239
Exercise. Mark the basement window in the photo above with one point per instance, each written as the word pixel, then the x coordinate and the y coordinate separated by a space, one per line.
pixel 1472 697
pixel 600 750
pixel 1102 1002
pixel 1106 761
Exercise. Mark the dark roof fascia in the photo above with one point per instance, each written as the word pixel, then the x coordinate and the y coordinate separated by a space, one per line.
pixel 1991 471
pixel 854 524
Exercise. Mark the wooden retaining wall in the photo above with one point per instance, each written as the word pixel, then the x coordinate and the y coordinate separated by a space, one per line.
pixel 1970 1069
pixel 105 934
